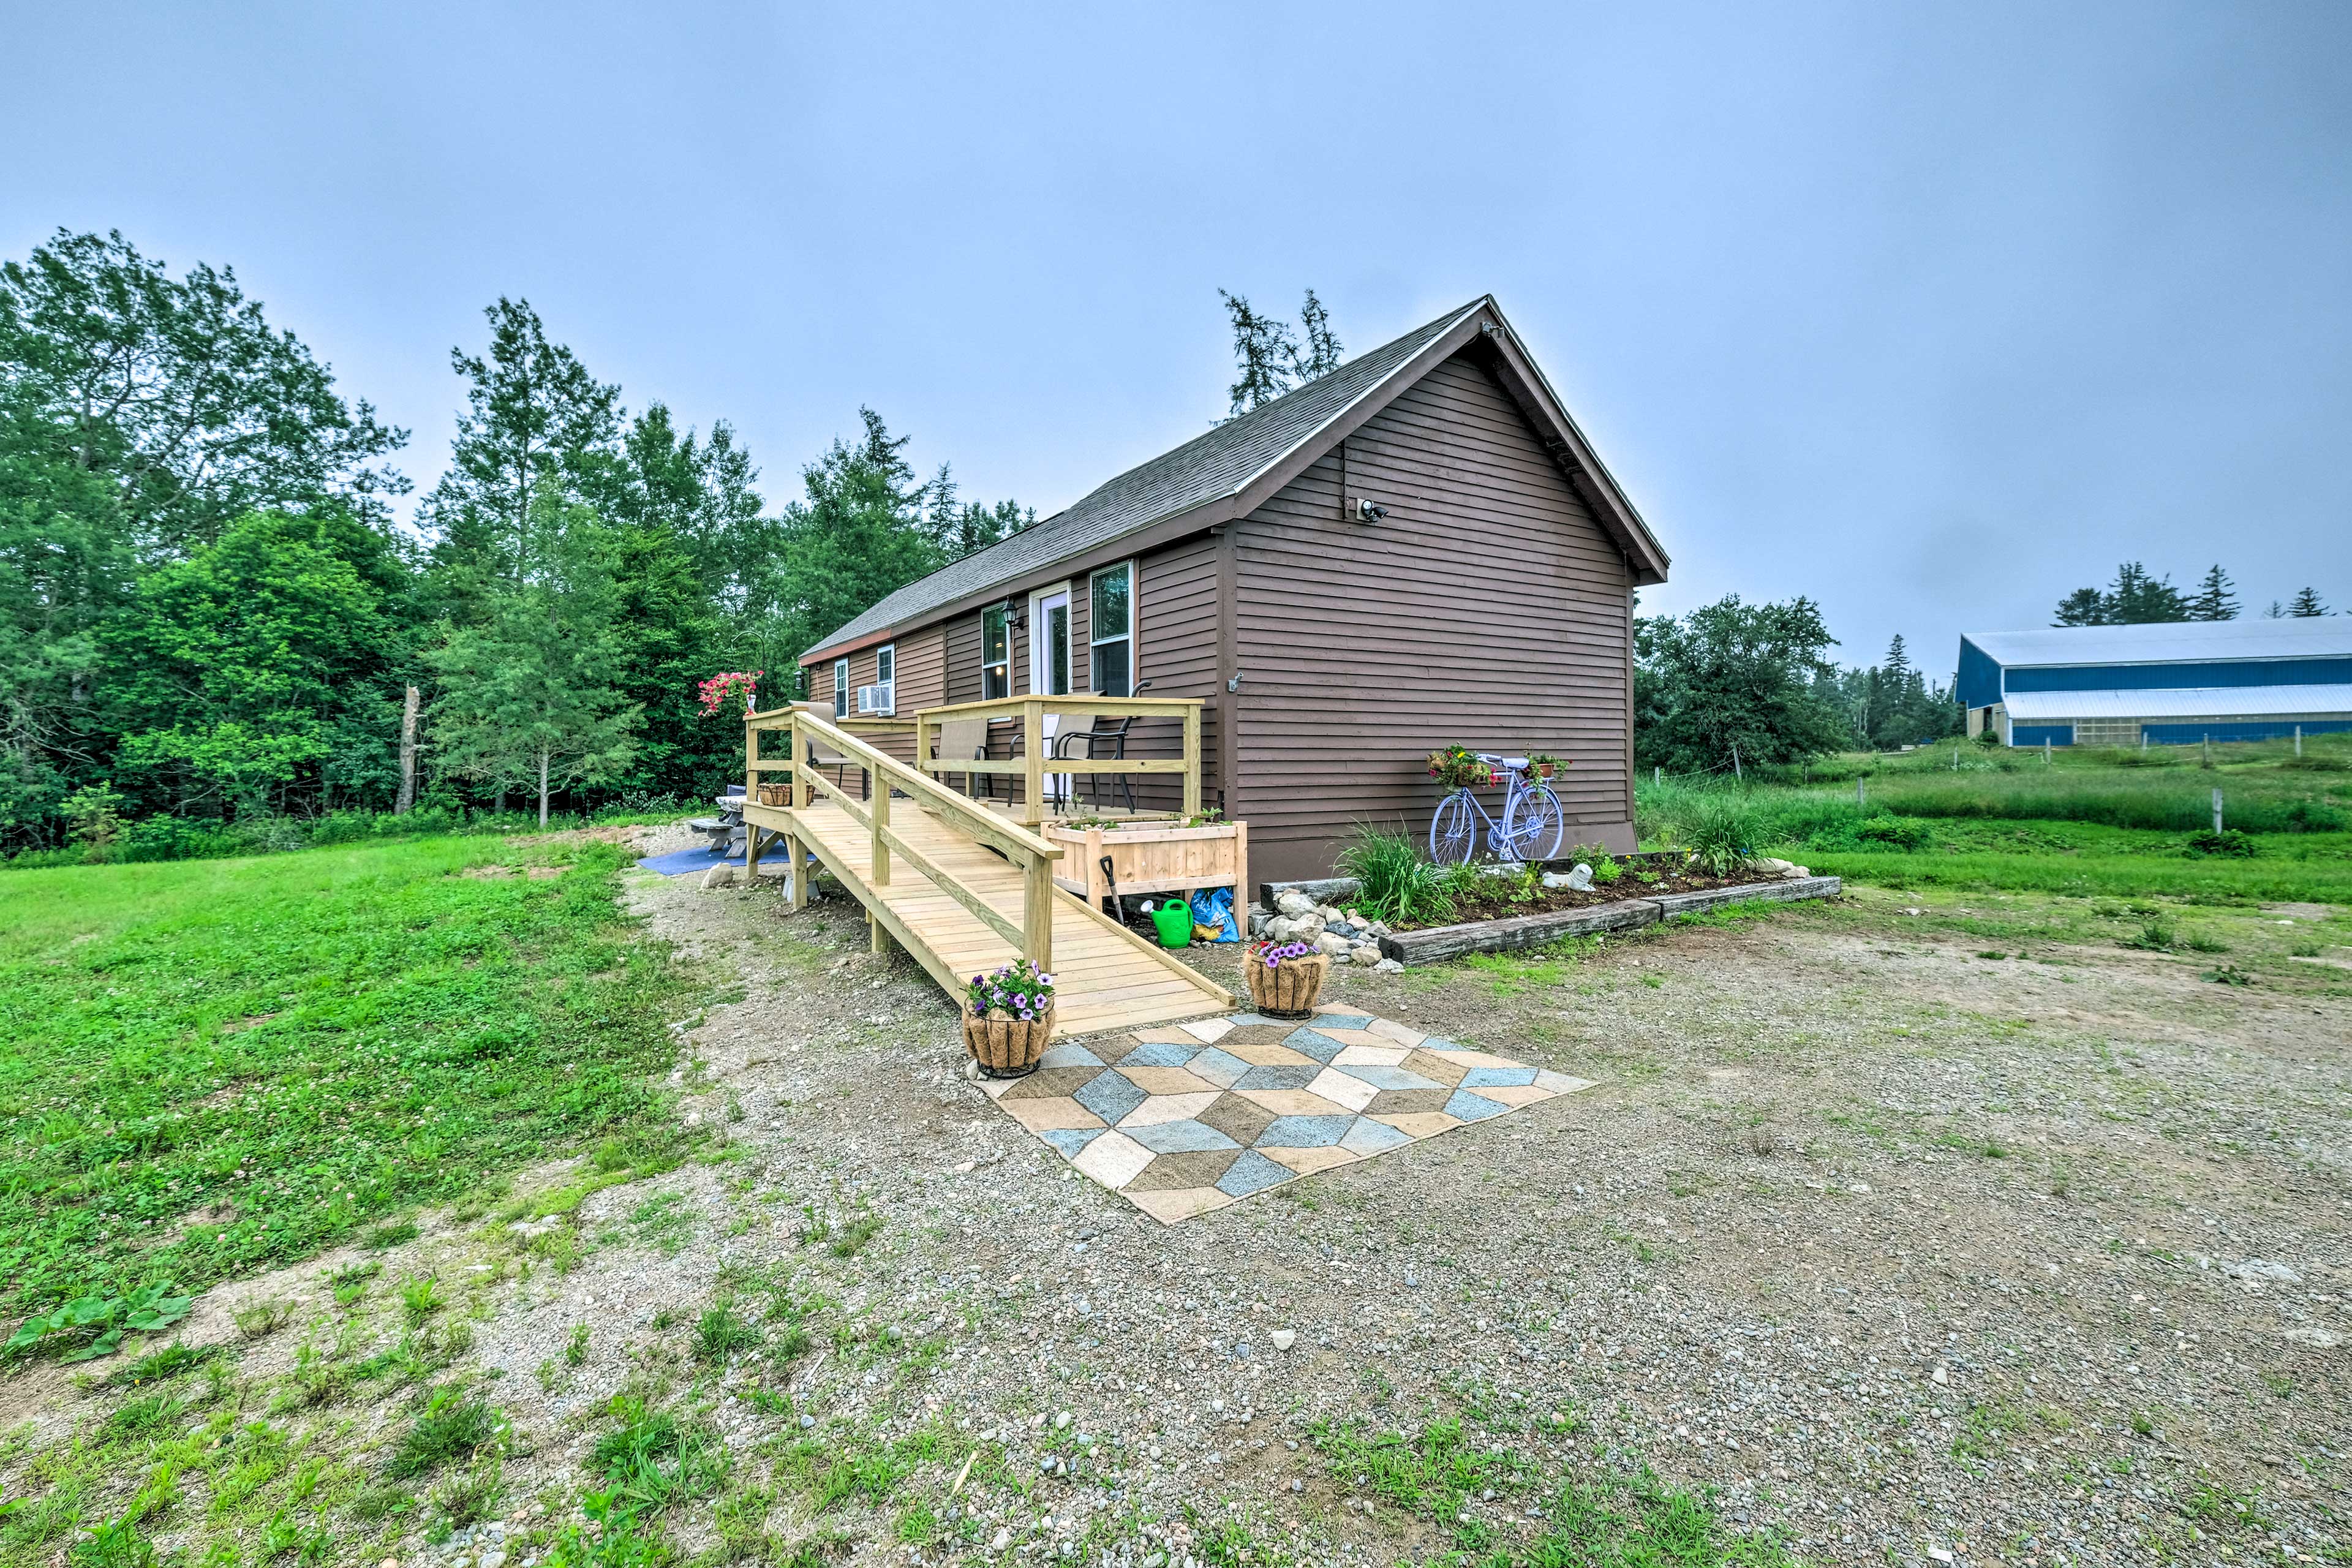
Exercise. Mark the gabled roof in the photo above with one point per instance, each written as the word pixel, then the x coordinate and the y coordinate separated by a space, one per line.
pixel 1230 471
pixel 2310 637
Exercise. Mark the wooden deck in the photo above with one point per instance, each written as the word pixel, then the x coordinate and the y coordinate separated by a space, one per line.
pixel 922 864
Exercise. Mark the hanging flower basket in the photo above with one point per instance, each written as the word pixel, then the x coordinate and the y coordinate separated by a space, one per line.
pixel 1008 1018
pixel 1285 978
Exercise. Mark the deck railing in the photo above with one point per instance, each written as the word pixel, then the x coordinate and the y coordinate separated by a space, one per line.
pixel 1035 762
pixel 807 732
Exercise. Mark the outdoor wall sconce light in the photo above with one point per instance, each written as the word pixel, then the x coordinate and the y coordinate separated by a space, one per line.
pixel 1016 614
pixel 1369 510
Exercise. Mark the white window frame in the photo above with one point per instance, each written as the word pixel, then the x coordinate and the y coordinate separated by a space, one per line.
pixel 887 654
pixel 841 688
pixel 1094 629
pixel 1037 651
pixel 987 664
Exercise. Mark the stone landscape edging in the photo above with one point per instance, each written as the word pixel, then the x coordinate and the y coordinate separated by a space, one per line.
pixel 1513 932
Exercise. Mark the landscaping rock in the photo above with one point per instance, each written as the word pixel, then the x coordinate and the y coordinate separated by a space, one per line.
pixel 1295 904
pixel 1365 952
pixel 718 876
pixel 1388 967
pixel 1328 943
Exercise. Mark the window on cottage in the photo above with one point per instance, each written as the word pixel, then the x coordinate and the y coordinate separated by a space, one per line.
pixel 1113 590
pixel 840 688
pixel 995 653
pixel 886 676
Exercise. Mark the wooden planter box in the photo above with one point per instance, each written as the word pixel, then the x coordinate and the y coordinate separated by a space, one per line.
pixel 1154 857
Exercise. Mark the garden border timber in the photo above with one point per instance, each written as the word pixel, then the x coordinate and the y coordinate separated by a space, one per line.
pixel 1436 944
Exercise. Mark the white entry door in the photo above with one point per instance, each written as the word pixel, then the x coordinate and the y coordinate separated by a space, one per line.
pixel 1049 668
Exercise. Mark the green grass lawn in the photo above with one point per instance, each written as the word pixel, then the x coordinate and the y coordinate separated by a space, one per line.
pixel 216 1066
pixel 2086 821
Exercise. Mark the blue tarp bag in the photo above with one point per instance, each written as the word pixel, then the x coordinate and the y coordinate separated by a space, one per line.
pixel 1214 906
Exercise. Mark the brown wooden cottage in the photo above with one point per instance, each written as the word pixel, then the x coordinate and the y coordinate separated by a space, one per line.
pixel 1418 549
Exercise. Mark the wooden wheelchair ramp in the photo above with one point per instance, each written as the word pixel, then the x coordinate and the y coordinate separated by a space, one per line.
pixel 952 899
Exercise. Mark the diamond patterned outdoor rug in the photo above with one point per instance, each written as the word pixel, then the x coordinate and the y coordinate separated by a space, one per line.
pixel 1187 1118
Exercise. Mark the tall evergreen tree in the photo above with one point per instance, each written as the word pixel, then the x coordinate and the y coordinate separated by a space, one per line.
pixel 2216 598
pixel 2305 604
pixel 1264 351
pixel 1321 352
pixel 858 532
pixel 2082 608
pixel 538 437
pixel 2135 598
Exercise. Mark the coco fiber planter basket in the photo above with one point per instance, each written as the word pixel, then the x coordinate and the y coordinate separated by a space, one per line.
pixel 1007 1047
pixel 1290 988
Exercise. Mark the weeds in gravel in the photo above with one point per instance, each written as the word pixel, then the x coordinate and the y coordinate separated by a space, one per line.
pixel 652 1460
pixel 420 1298
pixel 721 1334
pixel 854 1236
pixel 1628 1520
pixel 451 1425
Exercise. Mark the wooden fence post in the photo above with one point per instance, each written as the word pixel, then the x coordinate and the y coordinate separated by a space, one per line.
pixel 880 810
pixel 798 796
pixel 1037 913
pixel 1032 748
pixel 1193 762
pixel 2217 811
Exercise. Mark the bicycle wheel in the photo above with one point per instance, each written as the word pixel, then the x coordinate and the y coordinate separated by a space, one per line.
pixel 1532 824
pixel 1452 833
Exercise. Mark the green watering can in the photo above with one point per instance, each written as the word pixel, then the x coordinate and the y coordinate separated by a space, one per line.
pixel 1174 919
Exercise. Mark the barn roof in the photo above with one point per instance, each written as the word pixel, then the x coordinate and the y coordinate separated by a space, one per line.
pixel 2313 636
pixel 2180 703
pixel 1237 458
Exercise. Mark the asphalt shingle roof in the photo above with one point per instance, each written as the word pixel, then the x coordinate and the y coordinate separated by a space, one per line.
pixel 1208 467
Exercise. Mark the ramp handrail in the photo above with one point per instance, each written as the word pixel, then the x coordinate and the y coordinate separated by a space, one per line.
pixel 1034 939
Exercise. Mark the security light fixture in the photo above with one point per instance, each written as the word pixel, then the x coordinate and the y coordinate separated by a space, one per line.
pixel 1369 510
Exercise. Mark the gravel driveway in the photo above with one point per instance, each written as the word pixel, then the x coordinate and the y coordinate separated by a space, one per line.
pixel 1871 1245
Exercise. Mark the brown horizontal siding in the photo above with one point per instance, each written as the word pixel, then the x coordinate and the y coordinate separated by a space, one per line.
pixel 1488 607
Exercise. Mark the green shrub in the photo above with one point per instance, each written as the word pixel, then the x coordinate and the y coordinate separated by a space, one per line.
pixel 1394 882
pixel 2226 841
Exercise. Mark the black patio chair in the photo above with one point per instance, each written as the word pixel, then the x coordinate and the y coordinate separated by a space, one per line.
pixel 1106 741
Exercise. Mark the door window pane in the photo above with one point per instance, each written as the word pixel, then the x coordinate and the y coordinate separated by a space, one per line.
pixel 1057 651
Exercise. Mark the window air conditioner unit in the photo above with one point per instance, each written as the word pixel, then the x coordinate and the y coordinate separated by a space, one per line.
pixel 875 698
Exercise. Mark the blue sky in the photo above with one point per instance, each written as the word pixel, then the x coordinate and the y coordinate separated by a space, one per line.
pixel 1931 312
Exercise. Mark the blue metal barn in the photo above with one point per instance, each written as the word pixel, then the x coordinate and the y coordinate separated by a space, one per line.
pixel 2160 685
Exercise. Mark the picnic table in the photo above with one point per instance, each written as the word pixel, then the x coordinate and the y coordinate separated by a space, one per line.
pixel 725 831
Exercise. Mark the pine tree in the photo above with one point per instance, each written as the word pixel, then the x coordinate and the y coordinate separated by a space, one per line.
pixel 1322 354
pixel 1263 349
pixel 540 430
pixel 2305 604
pixel 526 695
pixel 2082 608
pixel 2274 612
pixel 2216 598
pixel 2139 598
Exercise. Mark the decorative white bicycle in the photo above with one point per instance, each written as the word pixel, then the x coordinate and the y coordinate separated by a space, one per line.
pixel 1530 829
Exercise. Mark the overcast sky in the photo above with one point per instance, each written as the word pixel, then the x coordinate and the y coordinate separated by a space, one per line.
pixel 1930 313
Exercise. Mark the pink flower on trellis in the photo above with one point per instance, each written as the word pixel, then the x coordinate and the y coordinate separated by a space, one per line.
pixel 718 688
